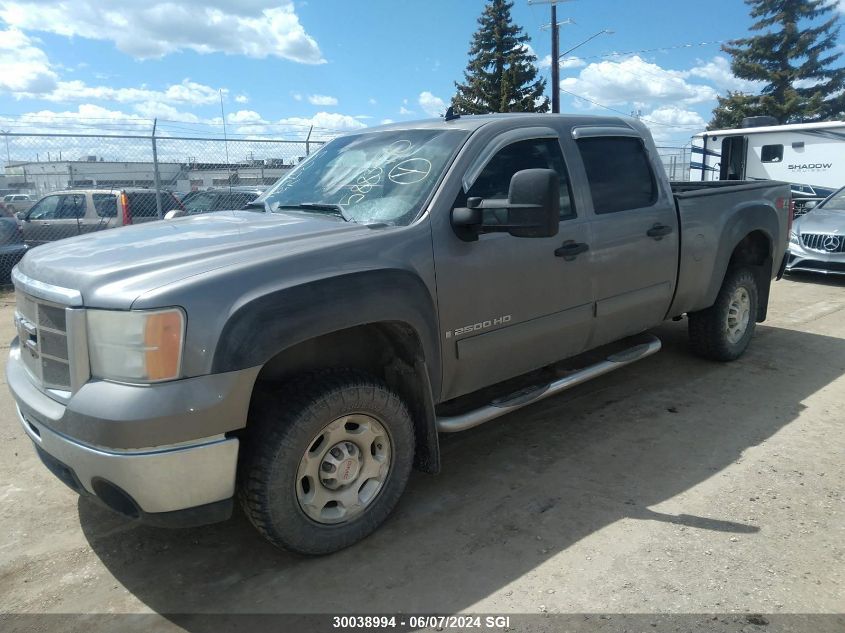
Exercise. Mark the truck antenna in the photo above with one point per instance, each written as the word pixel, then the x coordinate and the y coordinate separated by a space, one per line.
pixel 451 115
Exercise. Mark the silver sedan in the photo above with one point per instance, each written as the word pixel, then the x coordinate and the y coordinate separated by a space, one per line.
pixel 817 239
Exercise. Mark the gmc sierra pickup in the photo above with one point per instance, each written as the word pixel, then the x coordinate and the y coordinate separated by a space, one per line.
pixel 404 281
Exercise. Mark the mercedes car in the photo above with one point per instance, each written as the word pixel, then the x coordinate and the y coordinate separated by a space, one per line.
pixel 817 239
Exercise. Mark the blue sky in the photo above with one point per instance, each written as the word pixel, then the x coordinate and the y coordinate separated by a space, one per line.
pixel 342 64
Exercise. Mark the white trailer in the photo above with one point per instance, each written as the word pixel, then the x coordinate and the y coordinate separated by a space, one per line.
pixel 808 154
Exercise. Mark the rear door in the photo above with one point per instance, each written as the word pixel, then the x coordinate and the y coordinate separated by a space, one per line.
pixel 635 237
pixel 102 213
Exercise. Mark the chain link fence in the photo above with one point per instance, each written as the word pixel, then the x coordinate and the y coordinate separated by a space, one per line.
pixel 57 185
pixel 676 161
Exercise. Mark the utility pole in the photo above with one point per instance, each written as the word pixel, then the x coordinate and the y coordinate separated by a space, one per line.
pixel 555 26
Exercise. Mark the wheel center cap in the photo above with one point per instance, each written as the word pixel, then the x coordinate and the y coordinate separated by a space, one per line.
pixel 348 470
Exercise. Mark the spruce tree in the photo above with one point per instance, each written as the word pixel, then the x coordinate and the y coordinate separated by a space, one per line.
pixel 502 74
pixel 794 54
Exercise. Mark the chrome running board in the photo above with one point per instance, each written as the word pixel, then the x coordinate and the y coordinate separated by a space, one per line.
pixel 512 402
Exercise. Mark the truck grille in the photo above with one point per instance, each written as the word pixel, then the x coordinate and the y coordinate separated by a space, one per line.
pixel 42 328
pixel 824 242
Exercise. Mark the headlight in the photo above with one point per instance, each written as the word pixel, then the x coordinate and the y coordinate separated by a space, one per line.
pixel 136 346
pixel 793 237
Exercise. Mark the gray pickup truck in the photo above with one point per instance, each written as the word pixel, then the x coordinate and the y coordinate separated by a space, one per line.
pixel 406 280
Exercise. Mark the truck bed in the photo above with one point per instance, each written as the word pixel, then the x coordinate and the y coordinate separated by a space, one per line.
pixel 713 217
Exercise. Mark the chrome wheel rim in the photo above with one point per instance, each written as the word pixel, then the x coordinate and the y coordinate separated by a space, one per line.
pixel 739 315
pixel 343 469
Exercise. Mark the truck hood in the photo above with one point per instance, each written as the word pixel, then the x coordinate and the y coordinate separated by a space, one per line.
pixel 821 221
pixel 113 268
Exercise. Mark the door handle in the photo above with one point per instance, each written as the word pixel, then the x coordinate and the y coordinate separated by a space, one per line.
pixel 571 249
pixel 659 231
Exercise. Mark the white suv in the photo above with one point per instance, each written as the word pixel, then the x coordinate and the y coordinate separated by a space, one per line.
pixel 16 202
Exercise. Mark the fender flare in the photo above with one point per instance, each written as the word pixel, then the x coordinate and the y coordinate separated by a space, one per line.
pixel 262 327
pixel 746 220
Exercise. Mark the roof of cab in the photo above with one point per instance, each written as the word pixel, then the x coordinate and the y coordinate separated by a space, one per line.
pixel 471 123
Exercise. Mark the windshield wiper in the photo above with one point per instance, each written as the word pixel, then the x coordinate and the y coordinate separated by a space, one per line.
pixel 335 209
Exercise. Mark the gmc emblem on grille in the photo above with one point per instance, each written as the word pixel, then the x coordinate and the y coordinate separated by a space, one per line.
pixel 28 334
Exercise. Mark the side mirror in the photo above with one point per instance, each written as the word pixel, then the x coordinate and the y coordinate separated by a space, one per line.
pixel 22 216
pixel 533 208
pixel 175 213
pixel 811 204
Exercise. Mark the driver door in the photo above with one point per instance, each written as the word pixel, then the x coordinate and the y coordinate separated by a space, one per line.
pixel 38 222
pixel 509 305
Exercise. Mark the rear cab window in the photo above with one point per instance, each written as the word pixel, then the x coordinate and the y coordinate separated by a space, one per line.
pixel 619 173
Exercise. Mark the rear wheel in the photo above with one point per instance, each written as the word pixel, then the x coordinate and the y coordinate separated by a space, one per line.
pixel 723 331
pixel 325 460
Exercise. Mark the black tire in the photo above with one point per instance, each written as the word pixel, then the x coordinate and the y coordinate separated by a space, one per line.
pixel 708 329
pixel 283 426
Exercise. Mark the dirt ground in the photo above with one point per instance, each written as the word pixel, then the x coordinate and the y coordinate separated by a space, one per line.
pixel 675 485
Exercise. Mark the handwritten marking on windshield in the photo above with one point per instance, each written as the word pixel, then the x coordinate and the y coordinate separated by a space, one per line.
pixel 410 171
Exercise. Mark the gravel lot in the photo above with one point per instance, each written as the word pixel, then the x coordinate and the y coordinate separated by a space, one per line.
pixel 675 485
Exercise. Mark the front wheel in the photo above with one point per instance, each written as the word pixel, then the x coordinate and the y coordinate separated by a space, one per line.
pixel 724 330
pixel 325 460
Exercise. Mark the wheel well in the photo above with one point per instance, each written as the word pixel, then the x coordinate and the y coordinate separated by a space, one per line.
pixel 391 351
pixel 754 252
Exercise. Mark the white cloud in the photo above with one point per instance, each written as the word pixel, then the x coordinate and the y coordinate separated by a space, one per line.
pixel 842 6
pixel 668 121
pixel 387 121
pixel 187 91
pixel 244 116
pixel 718 72
pixel 255 28
pixel 84 119
pixel 322 100
pixel 405 111
pixel 372 101
pixel 634 80
pixel 433 106
pixel 568 62
pixel 297 96
pixel 241 99
pixel 23 66
pixel 157 109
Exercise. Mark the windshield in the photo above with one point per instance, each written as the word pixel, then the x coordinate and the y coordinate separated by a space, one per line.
pixel 376 177
pixel 835 203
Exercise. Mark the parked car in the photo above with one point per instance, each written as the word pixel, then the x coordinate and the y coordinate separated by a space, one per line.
pixel 222 199
pixel 12 248
pixel 817 239
pixel 17 202
pixel 74 212
pixel 411 279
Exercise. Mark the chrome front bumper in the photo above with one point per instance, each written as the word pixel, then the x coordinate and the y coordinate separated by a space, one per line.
pixel 163 479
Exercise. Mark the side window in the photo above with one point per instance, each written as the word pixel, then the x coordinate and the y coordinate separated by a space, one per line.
pixel 619 173
pixel 72 207
pixel 105 204
pixel 771 153
pixel 46 209
pixel 543 153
